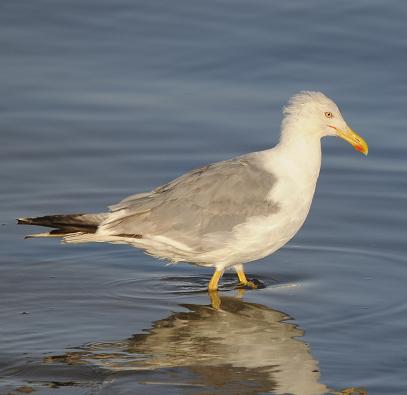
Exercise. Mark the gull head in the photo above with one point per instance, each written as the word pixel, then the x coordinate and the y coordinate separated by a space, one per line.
pixel 316 114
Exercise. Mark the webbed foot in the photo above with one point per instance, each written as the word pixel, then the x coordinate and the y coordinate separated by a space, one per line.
pixel 250 284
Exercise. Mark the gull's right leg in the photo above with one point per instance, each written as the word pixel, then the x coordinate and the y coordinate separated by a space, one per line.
pixel 243 281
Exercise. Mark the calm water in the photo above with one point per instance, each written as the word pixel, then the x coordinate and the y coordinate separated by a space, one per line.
pixel 101 99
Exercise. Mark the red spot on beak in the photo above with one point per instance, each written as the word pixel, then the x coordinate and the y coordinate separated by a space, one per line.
pixel 359 148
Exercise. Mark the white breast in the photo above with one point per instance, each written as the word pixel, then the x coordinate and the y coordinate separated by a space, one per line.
pixel 296 175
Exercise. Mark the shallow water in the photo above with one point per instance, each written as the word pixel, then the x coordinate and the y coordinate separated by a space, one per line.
pixel 102 99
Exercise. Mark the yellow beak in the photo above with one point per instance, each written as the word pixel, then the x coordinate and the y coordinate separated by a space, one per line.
pixel 354 139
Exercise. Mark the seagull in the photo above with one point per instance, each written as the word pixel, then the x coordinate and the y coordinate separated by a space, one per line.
pixel 228 213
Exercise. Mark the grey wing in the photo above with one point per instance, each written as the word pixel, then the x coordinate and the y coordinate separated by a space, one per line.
pixel 208 200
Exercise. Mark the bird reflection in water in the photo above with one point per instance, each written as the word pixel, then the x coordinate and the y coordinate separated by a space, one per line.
pixel 234 348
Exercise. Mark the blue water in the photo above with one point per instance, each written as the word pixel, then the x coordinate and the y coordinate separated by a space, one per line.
pixel 101 99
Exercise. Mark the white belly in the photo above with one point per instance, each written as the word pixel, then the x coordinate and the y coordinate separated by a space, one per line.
pixel 261 236
pixel 258 237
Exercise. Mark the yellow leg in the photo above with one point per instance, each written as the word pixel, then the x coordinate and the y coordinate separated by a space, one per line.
pixel 242 277
pixel 213 284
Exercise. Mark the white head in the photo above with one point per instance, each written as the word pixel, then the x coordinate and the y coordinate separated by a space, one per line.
pixel 318 116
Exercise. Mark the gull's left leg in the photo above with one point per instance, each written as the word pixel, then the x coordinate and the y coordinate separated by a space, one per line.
pixel 213 289
pixel 213 284
pixel 243 281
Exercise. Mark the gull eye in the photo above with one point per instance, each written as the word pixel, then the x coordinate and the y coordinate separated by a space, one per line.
pixel 328 114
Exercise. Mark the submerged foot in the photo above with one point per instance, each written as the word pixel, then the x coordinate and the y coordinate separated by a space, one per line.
pixel 353 390
pixel 251 284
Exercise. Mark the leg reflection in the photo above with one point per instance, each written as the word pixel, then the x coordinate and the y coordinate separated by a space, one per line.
pixel 215 299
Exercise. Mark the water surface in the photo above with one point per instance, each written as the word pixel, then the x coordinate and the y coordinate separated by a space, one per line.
pixel 103 99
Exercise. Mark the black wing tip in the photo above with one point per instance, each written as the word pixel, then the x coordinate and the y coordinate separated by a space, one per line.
pixel 23 221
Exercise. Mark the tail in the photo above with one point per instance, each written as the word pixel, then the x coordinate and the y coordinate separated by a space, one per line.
pixel 65 224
